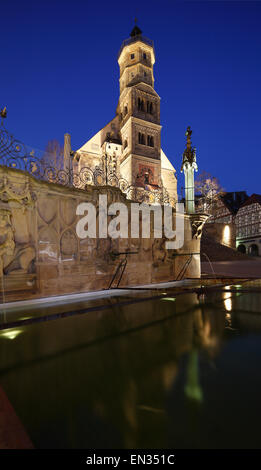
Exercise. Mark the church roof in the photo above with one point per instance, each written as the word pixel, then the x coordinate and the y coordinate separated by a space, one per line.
pixel 136 35
pixel 136 31
pixel 113 137
pixel 165 163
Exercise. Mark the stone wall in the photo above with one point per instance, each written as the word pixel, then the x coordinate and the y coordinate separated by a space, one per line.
pixel 221 233
pixel 41 254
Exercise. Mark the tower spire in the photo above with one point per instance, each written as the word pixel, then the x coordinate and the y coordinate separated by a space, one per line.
pixel 136 31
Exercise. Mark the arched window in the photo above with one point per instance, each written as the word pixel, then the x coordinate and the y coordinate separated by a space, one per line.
pixel 253 250
pixel 141 138
pixel 140 104
pixel 125 110
pixel 149 107
pixel 241 248
pixel 150 141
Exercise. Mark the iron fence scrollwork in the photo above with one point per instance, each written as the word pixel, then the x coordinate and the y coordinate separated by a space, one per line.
pixel 15 154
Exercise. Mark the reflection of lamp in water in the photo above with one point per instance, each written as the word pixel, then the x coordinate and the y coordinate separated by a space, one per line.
pixel 228 320
pixel 228 302
pixel 192 389
pixel 10 333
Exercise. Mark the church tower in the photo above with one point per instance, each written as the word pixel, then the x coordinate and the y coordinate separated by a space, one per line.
pixel 129 146
pixel 139 113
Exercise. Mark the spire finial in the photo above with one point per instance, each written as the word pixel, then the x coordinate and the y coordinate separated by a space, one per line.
pixel 136 30
pixel 3 114
pixel 188 135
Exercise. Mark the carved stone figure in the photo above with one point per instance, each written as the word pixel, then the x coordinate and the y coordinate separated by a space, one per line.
pixel 7 243
pixel 197 223
pixel 22 261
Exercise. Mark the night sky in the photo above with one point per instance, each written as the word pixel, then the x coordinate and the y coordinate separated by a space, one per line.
pixel 59 73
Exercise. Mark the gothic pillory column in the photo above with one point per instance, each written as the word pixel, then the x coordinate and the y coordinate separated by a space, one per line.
pixel 189 165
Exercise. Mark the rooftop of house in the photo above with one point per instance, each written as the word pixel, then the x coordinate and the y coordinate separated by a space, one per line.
pixel 253 199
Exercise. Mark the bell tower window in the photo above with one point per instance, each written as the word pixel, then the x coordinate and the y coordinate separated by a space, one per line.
pixel 140 104
pixel 141 138
pixel 150 141
pixel 149 107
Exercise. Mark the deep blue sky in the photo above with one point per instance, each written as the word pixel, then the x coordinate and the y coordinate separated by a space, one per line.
pixel 59 73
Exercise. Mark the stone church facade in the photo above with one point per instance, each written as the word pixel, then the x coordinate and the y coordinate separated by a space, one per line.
pixel 41 253
pixel 131 141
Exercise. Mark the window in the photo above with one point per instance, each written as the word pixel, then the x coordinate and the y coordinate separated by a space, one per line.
pixel 150 141
pixel 144 55
pixel 141 138
pixel 125 110
pixel 140 104
pixel 132 56
pixel 149 107
pixel 125 144
pixel 145 74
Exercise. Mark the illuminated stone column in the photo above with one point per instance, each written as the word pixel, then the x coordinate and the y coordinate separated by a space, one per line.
pixel 189 165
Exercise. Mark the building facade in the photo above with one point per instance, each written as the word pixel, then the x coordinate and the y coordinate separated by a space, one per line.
pixel 129 146
pixel 224 207
pixel 248 225
pixel 222 210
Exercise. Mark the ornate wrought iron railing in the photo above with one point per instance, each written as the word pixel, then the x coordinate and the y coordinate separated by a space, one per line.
pixel 15 154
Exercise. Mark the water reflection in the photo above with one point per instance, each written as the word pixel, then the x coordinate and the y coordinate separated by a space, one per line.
pixel 228 302
pixel 11 333
pixel 171 383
